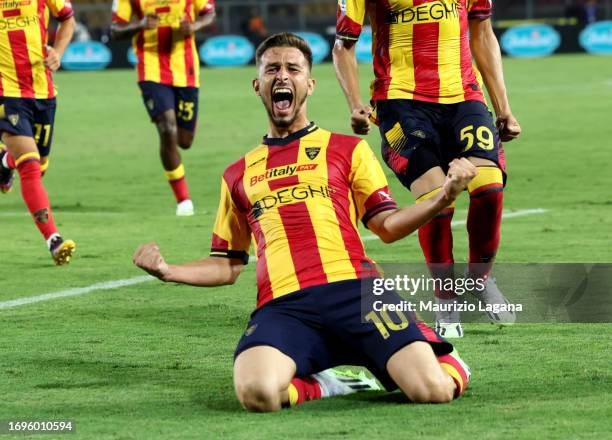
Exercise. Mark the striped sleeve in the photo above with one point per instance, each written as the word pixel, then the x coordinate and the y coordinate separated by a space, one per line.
pixel 231 236
pixel 60 9
pixel 204 7
pixel 122 11
pixel 369 184
pixel 480 9
pixel 350 17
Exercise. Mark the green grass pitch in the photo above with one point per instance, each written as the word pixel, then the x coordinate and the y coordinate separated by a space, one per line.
pixel 153 361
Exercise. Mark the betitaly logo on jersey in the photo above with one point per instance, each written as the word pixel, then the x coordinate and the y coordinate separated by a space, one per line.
pixel 286 171
pixel 14 4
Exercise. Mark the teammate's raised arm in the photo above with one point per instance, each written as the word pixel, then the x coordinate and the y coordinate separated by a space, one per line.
pixel 206 272
pixel 345 64
pixel 487 55
pixel 394 225
pixel 350 18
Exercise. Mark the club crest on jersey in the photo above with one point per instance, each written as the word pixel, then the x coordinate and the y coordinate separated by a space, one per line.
pixel 312 152
pixel 13 119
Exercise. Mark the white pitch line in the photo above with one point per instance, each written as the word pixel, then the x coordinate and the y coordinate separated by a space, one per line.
pixel 505 215
pixel 25 213
pixel 106 285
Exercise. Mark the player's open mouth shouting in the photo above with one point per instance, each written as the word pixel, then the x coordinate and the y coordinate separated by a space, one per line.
pixel 282 100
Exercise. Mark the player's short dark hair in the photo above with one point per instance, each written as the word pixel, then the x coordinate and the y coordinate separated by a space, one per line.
pixel 285 39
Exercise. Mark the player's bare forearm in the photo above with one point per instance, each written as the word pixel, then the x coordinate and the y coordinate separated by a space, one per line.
pixel 63 36
pixel 203 22
pixel 487 54
pixel 396 224
pixel 122 31
pixel 206 272
pixel 345 64
pixel 53 56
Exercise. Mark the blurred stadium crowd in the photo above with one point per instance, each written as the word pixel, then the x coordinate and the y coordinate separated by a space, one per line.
pixel 258 18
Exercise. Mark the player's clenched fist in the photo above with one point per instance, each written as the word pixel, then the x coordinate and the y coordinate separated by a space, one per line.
pixel 150 21
pixel 148 258
pixel 360 119
pixel 185 27
pixel 508 127
pixel 460 173
pixel 52 60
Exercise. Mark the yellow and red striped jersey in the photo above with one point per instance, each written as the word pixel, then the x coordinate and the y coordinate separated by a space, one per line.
pixel 421 48
pixel 300 198
pixel 163 56
pixel 23 40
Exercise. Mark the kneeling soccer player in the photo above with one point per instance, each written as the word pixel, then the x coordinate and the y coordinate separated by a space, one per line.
pixel 300 194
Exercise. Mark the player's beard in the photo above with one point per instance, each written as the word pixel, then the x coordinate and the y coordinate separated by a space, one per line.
pixel 286 121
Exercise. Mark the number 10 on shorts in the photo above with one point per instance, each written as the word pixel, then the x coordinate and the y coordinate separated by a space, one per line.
pixel 384 323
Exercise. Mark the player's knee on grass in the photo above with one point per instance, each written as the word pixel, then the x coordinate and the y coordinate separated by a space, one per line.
pixel 258 394
pixel 185 138
pixel 261 377
pixel 431 388
pixel 415 369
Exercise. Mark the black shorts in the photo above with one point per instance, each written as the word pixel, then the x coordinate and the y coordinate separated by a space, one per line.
pixel 418 136
pixel 29 117
pixel 159 98
pixel 325 326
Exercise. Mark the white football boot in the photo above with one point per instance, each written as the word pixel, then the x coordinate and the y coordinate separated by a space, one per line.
pixel 491 296
pixel 340 383
pixel 185 208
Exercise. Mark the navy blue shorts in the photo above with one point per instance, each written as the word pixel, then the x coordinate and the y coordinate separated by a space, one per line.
pixel 159 98
pixel 333 324
pixel 29 117
pixel 418 135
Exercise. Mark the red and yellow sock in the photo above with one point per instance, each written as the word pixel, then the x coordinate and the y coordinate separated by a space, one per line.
pixel 176 179
pixel 303 389
pixel 457 371
pixel 436 239
pixel 34 193
pixel 484 218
